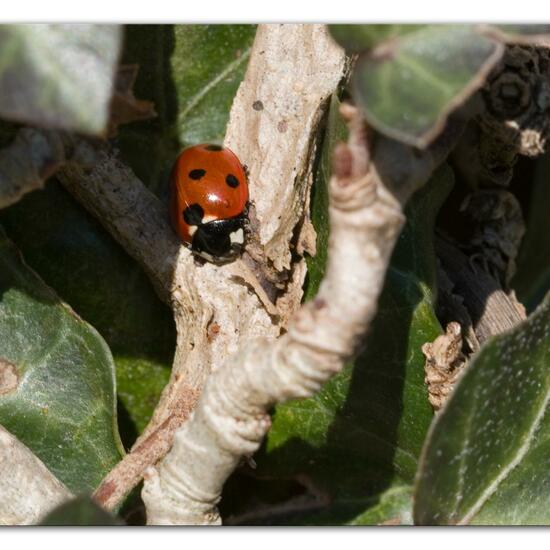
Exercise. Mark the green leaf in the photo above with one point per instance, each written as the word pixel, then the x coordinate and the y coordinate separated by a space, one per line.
pixel 358 439
pixel 393 507
pixel 81 511
pixel 336 131
pixel 408 87
pixel 208 65
pixel 532 279
pixel 357 38
pixel 62 404
pixel 486 458
pixel 521 34
pixel 76 256
pixel 57 75
pixel 191 73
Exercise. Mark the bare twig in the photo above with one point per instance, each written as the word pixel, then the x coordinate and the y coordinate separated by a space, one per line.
pixel 29 490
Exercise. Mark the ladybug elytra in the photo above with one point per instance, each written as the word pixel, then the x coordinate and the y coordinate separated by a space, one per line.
pixel 209 201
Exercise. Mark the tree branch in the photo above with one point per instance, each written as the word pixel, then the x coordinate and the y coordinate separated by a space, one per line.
pixel 29 490
pixel 230 418
pixel 293 70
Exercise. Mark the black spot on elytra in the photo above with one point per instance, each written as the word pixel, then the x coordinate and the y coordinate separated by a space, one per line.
pixel 213 147
pixel 232 180
pixel 193 214
pixel 197 174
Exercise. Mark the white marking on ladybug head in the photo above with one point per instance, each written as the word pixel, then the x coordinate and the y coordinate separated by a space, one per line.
pixel 192 230
pixel 237 237
pixel 208 218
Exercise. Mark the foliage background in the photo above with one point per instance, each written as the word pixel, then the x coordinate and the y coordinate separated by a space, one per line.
pixel 355 453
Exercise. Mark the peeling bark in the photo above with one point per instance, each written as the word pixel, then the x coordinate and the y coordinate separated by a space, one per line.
pixel 293 71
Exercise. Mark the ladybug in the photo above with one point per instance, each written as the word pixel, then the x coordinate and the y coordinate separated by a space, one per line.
pixel 209 201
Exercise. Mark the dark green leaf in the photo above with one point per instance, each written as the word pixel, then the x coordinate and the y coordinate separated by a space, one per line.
pixel 357 38
pixel 81 511
pixel 63 404
pixel 336 131
pixel 408 87
pixel 393 507
pixel 357 441
pixel 532 279
pixel 208 64
pixel 58 76
pixel 77 257
pixel 486 458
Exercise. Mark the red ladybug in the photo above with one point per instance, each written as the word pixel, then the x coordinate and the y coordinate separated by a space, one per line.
pixel 209 201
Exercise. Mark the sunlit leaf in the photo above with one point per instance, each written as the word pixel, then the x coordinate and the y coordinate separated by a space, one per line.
pixel 409 86
pixel 357 38
pixel 58 75
pixel 486 458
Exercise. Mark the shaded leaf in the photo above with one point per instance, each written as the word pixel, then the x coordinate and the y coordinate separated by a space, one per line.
pixel 81 511
pixel 7 132
pixel 408 87
pixel 91 272
pixel 125 107
pixel 63 406
pixel 32 157
pixel 392 507
pixel 358 439
pixel 336 131
pixel 357 38
pixel 532 279
pixel 486 457
pixel 58 75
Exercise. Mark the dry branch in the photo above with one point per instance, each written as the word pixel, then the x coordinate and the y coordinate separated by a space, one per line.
pixel 231 417
pixel 29 490
pixel 277 145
